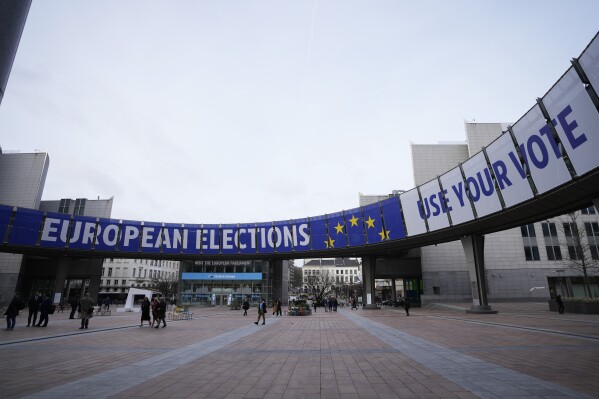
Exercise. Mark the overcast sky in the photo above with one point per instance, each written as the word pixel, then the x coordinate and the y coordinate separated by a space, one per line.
pixel 243 111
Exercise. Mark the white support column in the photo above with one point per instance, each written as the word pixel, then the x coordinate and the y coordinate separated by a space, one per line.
pixel 368 269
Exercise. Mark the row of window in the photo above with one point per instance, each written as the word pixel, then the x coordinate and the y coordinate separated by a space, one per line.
pixel 317 272
pixel 150 262
pixel 65 206
pixel 552 244
pixel 151 274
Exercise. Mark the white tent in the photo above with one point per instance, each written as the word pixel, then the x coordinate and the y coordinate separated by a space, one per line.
pixel 130 299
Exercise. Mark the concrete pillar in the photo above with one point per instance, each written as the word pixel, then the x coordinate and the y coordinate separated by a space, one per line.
pixel 368 268
pixel 474 249
pixel 62 270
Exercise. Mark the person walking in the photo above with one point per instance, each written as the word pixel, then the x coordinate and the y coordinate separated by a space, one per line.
pixel 161 311
pixel 560 304
pixel 74 302
pixel 261 312
pixel 34 306
pixel 145 312
pixel 275 307
pixel 12 311
pixel 406 305
pixel 154 308
pixel 245 306
pixel 279 308
pixel 45 309
pixel 106 303
pixel 87 310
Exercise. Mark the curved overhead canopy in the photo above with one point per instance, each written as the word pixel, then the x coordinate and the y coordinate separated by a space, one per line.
pixel 546 164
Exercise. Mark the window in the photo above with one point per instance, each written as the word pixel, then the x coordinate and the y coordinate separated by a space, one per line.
pixel 64 206
pixel 531 250
pixel 592 230
pixel 110 272
pixel 552 245
pixel 588 211
pixel 123 282
pixel 107 282
pixel 570 229
pixel 528 230
pixel 79 206
pixel 116 282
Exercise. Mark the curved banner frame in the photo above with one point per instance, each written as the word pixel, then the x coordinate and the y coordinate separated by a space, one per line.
pixel 554 143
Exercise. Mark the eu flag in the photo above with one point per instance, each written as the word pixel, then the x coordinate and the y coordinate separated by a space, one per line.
pixel 337 230
pixel 318 233
pixel 354 227
pixel 375 231
pixel 392 218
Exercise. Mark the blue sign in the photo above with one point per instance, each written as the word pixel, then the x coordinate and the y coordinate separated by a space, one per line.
pixel 221 276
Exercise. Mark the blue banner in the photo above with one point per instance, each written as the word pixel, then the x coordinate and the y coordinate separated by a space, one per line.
pixel 355 227
pixel 5 215
pixel 392 218
pixel 266 238
pixel 373 225
pixel 192 235
pixel 285 237
pixel 247 239
pixel 337 230
pixel 172 239
pixel 83 231
pixel 301 234
pixel 25 227
pixel 211 239
pixel 130 236
pixel 230 244
pixel 55 230
pixel 221 276
pixel 318 233
pixel 151 239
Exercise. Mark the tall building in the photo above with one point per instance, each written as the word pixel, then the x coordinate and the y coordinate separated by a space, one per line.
pixel 529 262
pixel 22 180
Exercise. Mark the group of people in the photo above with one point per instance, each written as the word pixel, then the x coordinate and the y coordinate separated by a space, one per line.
pixel 40 304
pixel 157 309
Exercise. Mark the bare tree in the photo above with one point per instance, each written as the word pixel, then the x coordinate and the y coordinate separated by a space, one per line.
pixel 581 246
pixel 166 286
pixel 320 284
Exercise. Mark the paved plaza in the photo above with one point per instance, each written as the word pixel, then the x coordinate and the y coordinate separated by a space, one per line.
pixel 437 352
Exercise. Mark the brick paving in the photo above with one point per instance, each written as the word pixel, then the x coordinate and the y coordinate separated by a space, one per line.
pixel 436 352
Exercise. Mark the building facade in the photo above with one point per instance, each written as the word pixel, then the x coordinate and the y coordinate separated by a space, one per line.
pixel 343 274
pixel 525 263
pixel 22 180
pixel 118 275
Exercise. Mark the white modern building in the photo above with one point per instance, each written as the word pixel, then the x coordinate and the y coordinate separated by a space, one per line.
pixel 526 263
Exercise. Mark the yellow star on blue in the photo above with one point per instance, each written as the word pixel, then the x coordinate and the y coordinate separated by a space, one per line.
pixel 384 234
pixel 339 228
pixel 330 243
pixel 370 222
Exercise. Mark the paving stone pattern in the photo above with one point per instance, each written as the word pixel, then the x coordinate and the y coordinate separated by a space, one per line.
pixel 439 352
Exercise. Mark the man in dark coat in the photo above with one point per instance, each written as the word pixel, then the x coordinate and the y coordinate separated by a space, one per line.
pixel 161 309
pixel 87 311
pixel 45 308
pixel 74 305
pixel 34 306
pixel 13 311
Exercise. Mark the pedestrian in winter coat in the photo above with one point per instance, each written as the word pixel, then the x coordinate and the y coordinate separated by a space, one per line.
pixel 145 312
pixel 161 310
pixel 13 311
pixel 87 310
pixel 34 307
pixel 45 309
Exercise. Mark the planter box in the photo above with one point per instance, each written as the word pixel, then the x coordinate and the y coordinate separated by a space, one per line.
pixel 576 307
